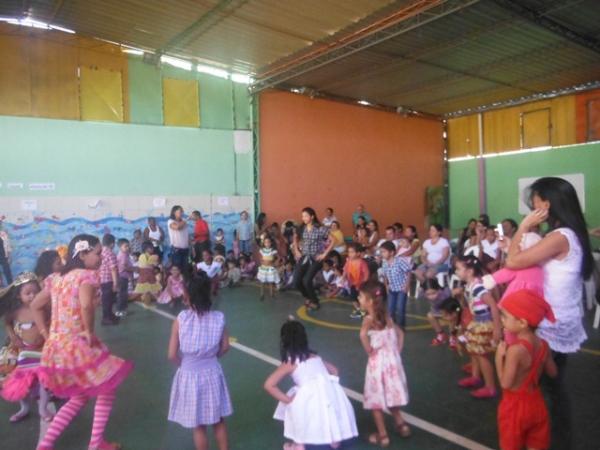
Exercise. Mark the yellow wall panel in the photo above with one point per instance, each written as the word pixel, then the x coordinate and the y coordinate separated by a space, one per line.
pixel 502 130
pixel 563 120
pixel 101 93
pixel 15 79
pixel 463 136
pixel 54 81
pixel 536 128
pixel 180 102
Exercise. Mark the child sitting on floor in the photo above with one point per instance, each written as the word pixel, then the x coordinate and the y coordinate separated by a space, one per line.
pixel 174 289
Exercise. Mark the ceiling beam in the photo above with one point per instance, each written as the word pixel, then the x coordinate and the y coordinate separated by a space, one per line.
pixel 204 23
pixel 538 18
pixel 409 18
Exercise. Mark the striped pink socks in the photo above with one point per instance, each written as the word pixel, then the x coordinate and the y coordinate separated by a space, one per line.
pixel 102 410
pixel 62 419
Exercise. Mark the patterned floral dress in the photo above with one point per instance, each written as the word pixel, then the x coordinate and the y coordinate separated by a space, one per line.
pixel 69 365
pixel 385 380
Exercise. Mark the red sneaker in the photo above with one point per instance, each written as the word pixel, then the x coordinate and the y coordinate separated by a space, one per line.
pixel 484 392
pixel 470 382
pixel 438 340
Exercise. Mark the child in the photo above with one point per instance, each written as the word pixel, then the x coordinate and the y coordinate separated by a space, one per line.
pixel 109 280
pixel 458 319
pixel 248 267
pixel 316 410
pixel 483 332
pixel 22 384
pixel 147 286
pixel 287 278
pixel 126 271
pixel 174 289
pixel 244 233
pixel 356 273
pixel 211 268
pixel 339 286
pixel 436 295
pixel 267 273
pixel 199 394
pixel 49 262
pixel 234 274
pixel 404 247
pixel 522 415
pixel 137 241
pixel 75 364
pixel 220 241
pixel 396 271
pixel 135 261
pixel 385 381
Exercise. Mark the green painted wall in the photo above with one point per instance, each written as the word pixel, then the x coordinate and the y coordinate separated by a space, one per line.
pixel 503 173
pixel 97 158
pixel 223 103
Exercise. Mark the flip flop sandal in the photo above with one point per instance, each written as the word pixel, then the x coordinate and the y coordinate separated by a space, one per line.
pixel 376 439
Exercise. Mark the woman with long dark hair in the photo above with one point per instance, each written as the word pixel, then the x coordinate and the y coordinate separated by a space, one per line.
pixel 310 252
pixel 566 257
pixel 179 238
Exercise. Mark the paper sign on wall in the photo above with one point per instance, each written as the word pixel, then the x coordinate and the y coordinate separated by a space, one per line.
pixel 42 186
pixel 242 141
pixel 159 202
pixel 14 186
pixel 223 201
pixel 576 179
pixel 29 205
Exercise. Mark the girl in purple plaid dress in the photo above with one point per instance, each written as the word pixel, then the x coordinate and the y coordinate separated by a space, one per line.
pixel 199 395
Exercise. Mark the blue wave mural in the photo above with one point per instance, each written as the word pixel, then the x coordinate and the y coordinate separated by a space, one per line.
pixel 29 240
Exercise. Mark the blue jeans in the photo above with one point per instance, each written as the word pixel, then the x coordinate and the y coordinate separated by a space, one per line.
pixel 246 246
pixel 179 258
pixel 397 307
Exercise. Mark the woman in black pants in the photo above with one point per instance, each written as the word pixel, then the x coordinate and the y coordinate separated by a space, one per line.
pixel 310 252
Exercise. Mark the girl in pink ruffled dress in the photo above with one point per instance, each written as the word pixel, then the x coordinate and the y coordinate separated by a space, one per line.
pixel 174 288
pixel 22 383
pixel 75 365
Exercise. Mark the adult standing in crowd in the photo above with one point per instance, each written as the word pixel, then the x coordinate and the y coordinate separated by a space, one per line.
pixel 155 234
pixel 360 212
pixel 201 235
pixel 5 250
pixel 310 252
pixel 566 258
pixel 179 238
pixel 260 227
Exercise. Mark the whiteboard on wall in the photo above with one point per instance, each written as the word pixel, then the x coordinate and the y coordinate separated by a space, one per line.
pixel 576 179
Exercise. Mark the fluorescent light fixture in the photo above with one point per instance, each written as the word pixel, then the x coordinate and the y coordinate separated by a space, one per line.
pixel 132 51
pixel 241 78
pixel 295 90
pixel 63 29
pixel 213 71
pixel 176 62
pixel 363 102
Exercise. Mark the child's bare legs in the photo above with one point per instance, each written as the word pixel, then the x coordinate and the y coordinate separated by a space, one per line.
pixel 379 419
pixel 475 370
pixel 435 324
pixel 272 289
pixel 200 440
pixel 43 405
pixel 22 412
pixel 220 431
pixel 401 426
pixel 487 371
pixel 262 291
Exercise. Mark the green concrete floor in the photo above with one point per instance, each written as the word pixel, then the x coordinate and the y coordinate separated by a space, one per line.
pixel 139 417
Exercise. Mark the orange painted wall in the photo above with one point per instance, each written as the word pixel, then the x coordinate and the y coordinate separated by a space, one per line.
pixel 321 153
pixel 581 114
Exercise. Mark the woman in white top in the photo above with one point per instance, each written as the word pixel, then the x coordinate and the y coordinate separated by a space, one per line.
pixel 329 217
pixel 179 238
pixel 565 255
pixel 155 234
pixel 435 254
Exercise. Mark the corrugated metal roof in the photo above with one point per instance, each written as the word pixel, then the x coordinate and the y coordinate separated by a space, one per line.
pixel 481 53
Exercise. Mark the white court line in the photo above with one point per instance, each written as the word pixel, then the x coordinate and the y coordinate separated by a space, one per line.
pixel 413 420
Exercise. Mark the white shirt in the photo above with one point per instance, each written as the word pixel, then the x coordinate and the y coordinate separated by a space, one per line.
pixel 563 290
pixel 327 221
pixel 212 270
pixel 435 251
pixel 490 248
pixel 178 238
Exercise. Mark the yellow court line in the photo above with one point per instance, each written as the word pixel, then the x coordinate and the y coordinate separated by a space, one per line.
pixel 590 351
pixel 302 314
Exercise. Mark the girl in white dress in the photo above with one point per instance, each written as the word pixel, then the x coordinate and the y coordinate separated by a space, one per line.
pixel 316 410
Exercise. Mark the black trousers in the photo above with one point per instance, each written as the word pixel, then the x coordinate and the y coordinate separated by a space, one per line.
pixel 123 294
pixel 6 269
pixel 304 273
pixel 559 404
pixel 108 299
